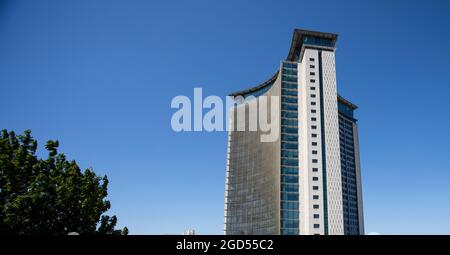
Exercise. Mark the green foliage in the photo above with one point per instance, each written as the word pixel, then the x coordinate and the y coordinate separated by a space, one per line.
pixel 49 196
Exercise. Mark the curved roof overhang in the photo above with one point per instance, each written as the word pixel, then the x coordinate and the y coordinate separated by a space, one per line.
pixel 347 103
pixel 294 52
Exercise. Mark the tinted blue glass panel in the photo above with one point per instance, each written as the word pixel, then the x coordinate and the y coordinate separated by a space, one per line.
pixel 289 122
pixel 289 162
pixel 292 138
pixel 318 41
pixel 289 224
pixel 290 65
pixel 344 109
pixel 288 214
pixel 289 170
pixel 289 231
pixel 287 85
pixel 289 92
pixel 289 178
pixel 290 78
pixel 292 115
pixel 289 100
pixel 289 130
pixel 289 154
pixel 289 187
pixel 289 196
pixel 292 146
pixel 289 205
pixel 289 71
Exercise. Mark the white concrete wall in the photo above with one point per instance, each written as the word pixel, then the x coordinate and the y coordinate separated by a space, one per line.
pixel 332 146
pixel 306 165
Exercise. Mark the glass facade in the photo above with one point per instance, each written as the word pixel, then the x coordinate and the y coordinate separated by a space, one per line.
pixel 252 194
pixel 289 187
pixel 262 195
pixel 348 171
pixel 318 41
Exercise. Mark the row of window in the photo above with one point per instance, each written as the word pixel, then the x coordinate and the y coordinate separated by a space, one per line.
pixel 289 71
pixel 289 170
pixel 289 100
pixel 289 162
pixel 286 114
pixel 289 187
pixel 289 92
pixel 290 78
pixel 289 153
pixel 289 130
pixel 289 214
pixel 314 151
pixel 288 85
pixel 289 224
pixel 289 122
pixel 289 179
pixel 289 146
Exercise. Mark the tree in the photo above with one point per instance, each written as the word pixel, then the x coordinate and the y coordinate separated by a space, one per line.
pixel 49 196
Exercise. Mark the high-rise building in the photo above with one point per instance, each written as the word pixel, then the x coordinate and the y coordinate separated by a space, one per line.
pixel 308 181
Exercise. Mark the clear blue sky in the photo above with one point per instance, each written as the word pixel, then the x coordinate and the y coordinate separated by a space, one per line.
pixel 99 76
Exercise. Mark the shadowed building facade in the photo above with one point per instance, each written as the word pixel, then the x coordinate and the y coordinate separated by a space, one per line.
pixel 308 181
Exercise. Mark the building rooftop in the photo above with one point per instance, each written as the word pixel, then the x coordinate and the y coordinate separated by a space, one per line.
pixel 299 39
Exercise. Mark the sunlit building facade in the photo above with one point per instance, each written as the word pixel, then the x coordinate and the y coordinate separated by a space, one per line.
pixel 308 181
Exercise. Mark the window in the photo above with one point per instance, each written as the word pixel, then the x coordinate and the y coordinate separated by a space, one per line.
pixel 315 187
pixel 313 119
pixel 289 107
pixel 316 216
pixel 289 138
pixel 290 78
pixel 312 73
pixel 314 152
pixel 311 66
pixel 315 161
pixel 289 154
pixel 313 95
pixel 313 103
pixel 289 179
pixel 292 115
pixel 314 143
pixel 289 100
pixel 315 197
pixel 289 162
pixel 315 179
pixel 313 126
pixel 315 169
pixel 290 146
pixel 289 92
pixel 312 81
pixel 289 122
pixel 314 135
pixel 289 170
pixel 289 196
pixel 289 130
pixel 289 188
pixel 286 85
pixel 311 59
pixel 315 206
pixel 290 65
pixel 313 88
pixel 313 111
pixel 316 225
